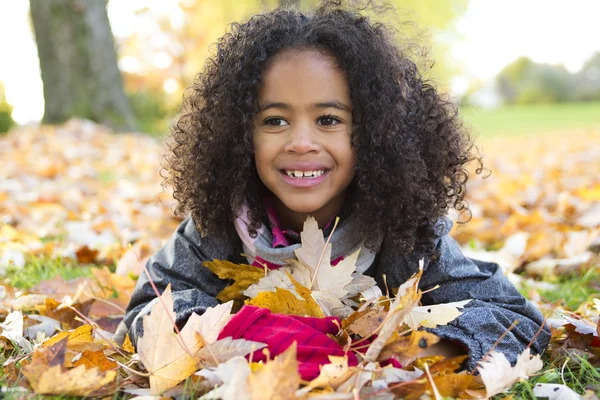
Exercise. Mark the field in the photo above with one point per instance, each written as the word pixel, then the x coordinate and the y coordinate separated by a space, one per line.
pixel 81 209
pixel 532 119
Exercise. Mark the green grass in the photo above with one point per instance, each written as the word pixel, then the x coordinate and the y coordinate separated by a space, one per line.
pixel 531 119
pixel 38 269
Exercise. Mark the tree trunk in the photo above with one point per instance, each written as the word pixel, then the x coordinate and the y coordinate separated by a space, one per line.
pixel 78 62
pixel 289 3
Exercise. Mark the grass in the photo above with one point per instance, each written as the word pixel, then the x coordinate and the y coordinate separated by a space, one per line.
pixel 532 119
pixel 38 269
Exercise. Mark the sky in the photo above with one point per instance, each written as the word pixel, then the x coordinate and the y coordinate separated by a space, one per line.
pixel 493 33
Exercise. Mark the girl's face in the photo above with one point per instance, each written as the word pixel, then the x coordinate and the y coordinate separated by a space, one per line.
pixel 302 136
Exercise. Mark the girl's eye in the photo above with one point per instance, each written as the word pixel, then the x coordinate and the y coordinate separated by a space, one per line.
pixel 275 121
pixel 329 120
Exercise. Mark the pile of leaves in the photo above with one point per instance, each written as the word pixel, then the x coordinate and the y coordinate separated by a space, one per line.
pixel 537 215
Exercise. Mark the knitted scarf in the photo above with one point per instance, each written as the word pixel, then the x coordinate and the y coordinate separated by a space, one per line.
pixel 346 239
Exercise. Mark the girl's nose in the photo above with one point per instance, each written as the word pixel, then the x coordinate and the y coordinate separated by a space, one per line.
pixel 302 140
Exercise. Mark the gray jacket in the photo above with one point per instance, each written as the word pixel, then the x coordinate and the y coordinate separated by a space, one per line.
pixel 495 306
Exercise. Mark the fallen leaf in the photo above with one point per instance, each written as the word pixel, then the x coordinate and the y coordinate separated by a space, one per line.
pixel 168 357
pixel 278 379
pixel 91 359
pixel 243 276
pixel 406 299
pixel 285 302
pixel 221 351
pixel 47 375
pixel 213 320
pixel 553 391
pixel 498 375
pixel 74 382
pixel 434 315
pixel 406 348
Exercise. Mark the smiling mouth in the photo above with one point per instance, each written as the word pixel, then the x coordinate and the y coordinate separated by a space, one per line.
pixel 304 174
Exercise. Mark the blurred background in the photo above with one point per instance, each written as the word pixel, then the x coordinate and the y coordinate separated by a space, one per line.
pixel 514 67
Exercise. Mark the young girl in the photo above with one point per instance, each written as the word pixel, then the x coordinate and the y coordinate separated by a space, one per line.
pixel 324 116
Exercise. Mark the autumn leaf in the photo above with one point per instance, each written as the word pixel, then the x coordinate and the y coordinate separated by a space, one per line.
pixel 74 382
pixel 278 379
pixel 168 357
pixel 225 349
pixel 555 392
pixel 91 359
pixel 405 348
pixel 366 324
pixel 243 276
pixel 498 375
pixel 406 299
pixel 78 340
pixel 283 301
pixel 47 375
pixel 434 315
pixel 213 320
pixel 331 375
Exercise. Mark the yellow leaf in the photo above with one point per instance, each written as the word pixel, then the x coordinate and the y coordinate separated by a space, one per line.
pixel 127 345
pixel 74 382
pixel 243 275
pixel 283 301
pixel 278 379
pixel 79 340
pixel 168 357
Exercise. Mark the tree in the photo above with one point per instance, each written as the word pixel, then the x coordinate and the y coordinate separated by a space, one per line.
pixel 78 63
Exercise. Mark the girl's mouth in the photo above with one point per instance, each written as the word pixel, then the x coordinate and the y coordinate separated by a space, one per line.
pixel 304 179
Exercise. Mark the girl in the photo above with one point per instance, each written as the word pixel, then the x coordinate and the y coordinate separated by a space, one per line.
pixel 325 116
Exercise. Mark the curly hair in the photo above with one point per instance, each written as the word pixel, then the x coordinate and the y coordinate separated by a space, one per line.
pixel 410 142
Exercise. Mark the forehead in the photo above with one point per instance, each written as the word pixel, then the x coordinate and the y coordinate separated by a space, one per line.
pixel 296 75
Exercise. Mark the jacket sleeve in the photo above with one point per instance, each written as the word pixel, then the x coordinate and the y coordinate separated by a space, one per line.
pixel 496 304
pixel 178 262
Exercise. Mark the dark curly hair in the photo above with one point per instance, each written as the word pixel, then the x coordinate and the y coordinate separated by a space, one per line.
pixel 410 142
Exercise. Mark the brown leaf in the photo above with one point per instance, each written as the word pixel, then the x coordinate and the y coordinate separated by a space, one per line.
pixel 47 375
pixel 65 315
pixel 405 348
pixel 85 255
pixel 368 323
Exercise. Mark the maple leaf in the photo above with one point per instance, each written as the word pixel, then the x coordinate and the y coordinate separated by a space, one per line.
pixel 498 375
pixel 243 276
pixel 168 357
pixel 232 376
pixel 277 379
pixel 225 349
pixel 213 320
pixel 328 278
pixel 283 301
pixel 434 315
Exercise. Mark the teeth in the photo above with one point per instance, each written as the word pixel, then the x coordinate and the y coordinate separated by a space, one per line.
pixel 305 174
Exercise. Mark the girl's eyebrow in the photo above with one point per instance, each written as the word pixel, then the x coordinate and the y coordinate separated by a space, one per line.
pixel 327 104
